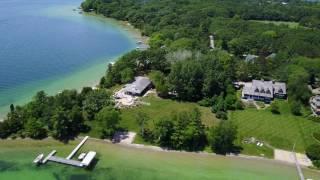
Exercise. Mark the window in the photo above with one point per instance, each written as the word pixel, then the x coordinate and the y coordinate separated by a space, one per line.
pixel 280 91
pixel 268 91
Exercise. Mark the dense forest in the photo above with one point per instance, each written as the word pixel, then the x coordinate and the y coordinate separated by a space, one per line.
pixel 182 66
pixel 179 39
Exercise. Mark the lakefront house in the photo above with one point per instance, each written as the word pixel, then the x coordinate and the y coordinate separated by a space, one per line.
pixel 264 90
pixel 139 86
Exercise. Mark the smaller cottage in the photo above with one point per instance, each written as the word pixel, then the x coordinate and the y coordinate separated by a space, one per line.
pixel 250 58
pixel 138 87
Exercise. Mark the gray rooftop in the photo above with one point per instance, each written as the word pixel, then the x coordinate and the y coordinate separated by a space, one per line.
pixel 138 86
pixel 316 100
pixel 280 88
pixel 259 88
pixel 264 88
pixel 251 57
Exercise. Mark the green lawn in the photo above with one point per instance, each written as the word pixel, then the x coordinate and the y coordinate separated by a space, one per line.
pixel 278 23
pixel 280 131
pixel 159 108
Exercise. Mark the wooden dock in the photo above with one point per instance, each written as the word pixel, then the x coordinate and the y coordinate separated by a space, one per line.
pixel 65 161
pixel 68 161
pixel 75 150
pixel 48 157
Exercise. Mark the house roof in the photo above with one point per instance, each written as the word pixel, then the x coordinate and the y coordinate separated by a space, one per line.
pixel 316 100
pixel 264 88
pixel 139 85
pixel 259 88
pixel 280 88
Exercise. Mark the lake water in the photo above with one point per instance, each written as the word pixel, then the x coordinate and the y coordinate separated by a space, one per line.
pixel 48 45
pixel 121 162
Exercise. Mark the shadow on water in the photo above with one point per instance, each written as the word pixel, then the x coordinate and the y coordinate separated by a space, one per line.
pixel 93 164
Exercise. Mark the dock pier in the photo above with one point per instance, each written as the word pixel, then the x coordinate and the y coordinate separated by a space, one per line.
pixel 75 150
pixel 68 160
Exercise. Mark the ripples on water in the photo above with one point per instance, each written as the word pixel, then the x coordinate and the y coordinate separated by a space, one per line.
pixel 44 42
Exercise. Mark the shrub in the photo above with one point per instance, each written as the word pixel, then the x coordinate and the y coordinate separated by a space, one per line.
pixel 295 107
pixel 316 135
pixel 275 108
pixel 222 115
pixel 316 163
pixel 206 102
pixel 314 119
pixel 239 105
pixel 313 152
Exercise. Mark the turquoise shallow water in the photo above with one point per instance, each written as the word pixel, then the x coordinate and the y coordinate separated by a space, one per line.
pixel 119 162
pixel 47 45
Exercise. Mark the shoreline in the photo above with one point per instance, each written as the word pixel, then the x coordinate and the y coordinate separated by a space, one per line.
pixel 157 148
pixel 130 30
pixel 133 34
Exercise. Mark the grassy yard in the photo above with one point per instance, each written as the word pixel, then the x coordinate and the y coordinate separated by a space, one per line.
pixel 280 131
pixel 157 109
pixel 278 23
pixel 160 108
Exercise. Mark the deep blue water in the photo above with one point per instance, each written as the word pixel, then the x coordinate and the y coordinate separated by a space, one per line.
pixel 42 41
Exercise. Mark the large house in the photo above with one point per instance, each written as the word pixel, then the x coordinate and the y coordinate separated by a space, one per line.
pixel 315 105
pixel 139 86
pixel 264 90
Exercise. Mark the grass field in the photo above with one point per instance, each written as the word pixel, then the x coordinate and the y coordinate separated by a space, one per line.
pixel 280 131
pixel 278 23
pixel 156 109
pixel 122 162
pixel 159 108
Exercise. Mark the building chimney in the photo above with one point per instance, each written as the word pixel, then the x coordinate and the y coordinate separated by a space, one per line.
pixel 211 42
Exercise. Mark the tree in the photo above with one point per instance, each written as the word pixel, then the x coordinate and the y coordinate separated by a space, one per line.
pixel 274 107
pixel 66 124
pixel 109 119
pixel 160 82
pixel 127 75
pixel 222 137
pixel 61 125
pixel 164 130
pixel 313 152
pixel 189 133
pixel 298 85
pixel 295 107
pixel 5 130
pixel 95 101
pixel 186 78
pixel 142 120
pixel 34 129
